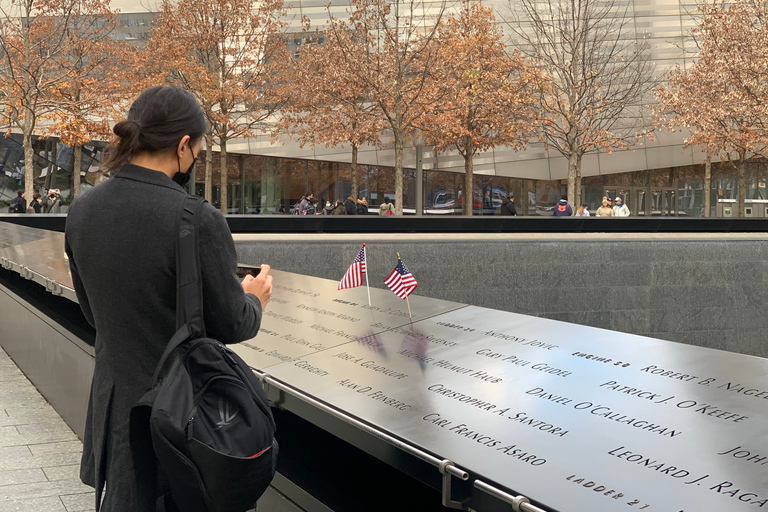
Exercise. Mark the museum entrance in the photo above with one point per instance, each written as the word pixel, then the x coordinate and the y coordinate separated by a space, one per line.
pixel 646 201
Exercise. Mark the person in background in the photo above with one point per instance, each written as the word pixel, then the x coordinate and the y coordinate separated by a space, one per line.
pixel 563 209
pixel 305 204
pixel 328 210
pixel 605 209
pixel 18 204
pixel 340 209
pixel 362 207
pixel 620 209
pixel 312 210
pixel 508 207
pixel 52 201
pixel 386 208
pixel 36 203
pixel 349 205
pixel 583 211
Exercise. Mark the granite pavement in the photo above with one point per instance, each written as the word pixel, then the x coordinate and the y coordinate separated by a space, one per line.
pixel 39 453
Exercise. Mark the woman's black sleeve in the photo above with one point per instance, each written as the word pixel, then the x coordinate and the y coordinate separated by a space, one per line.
pixel 231 315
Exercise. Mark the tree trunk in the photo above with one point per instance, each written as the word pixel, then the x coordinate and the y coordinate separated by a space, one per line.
pixel 208 169
pixel 29 121
pixel 469 187
pixel 398 173
pixel 223 149
pixel 353 169
pixel 707 188
pixel 29 158
pixel 742 185
pixel 76 170
pixel 574 161
pixel 577 201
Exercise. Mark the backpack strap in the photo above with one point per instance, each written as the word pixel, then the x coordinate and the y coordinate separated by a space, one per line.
pixel 189 321
pixel 189 291
pixel 189 284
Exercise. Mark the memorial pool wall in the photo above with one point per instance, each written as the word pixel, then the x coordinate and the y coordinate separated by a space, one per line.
pixel 709 290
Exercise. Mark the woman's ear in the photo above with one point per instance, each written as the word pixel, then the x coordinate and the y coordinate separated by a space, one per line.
pixel 182 143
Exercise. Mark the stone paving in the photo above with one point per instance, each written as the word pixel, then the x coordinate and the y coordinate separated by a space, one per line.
pixel 39 453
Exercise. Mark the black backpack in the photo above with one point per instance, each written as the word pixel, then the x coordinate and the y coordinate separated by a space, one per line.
pixel 16 206
pixel 206 421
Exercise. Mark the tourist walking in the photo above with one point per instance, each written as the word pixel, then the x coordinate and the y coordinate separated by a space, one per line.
pixel 508 207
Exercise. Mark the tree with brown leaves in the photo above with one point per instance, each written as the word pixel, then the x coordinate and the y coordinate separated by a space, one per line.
pixel 723 98
pixel 94 92
pixel 392 48
pixel 221 51
pixel 323 102
pixel 491 95
pixel 36 38
pixel 598 75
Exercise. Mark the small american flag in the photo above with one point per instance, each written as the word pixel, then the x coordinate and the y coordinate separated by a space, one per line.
pixel 354 275
pixel 401 281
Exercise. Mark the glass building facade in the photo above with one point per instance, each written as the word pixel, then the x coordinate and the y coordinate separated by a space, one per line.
pixel 272 185
pixel 658 177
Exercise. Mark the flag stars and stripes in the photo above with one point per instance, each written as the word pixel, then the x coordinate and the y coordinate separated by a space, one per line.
pixel 354 275
pixel 401 281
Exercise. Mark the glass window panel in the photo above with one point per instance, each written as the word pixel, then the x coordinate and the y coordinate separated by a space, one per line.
pixel 440 193
pixel 548 193
pixel 252 184
pixel 381 184
pixel 659 26
pixel 409 189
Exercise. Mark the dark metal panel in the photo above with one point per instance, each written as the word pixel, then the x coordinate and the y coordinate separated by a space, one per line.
pixel 56 361
pixel 449 224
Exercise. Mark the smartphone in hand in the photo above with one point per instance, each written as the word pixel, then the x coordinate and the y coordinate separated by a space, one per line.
pixel 244 270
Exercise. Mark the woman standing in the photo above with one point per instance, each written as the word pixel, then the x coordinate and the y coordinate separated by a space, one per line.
pixel 36 204
pixel 605 209
pixel 120 240
pixel 583 211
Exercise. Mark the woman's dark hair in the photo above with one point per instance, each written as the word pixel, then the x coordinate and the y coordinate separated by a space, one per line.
pixel 157 121
pixel 36 195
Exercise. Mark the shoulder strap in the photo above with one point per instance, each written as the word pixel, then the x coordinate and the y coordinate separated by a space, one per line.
pixel 189 284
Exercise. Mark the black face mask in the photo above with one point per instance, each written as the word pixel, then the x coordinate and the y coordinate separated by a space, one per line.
pixel 182 178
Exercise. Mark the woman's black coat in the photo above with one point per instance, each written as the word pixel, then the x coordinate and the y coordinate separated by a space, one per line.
pixel 120 240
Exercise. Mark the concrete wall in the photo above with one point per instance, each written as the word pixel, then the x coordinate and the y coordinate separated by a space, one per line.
pixel 708 290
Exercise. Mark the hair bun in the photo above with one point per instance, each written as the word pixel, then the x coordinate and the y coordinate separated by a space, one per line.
pixel 128 129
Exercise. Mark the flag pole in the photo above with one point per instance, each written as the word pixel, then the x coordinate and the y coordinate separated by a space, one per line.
pixel 365 255
pixel 410 316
